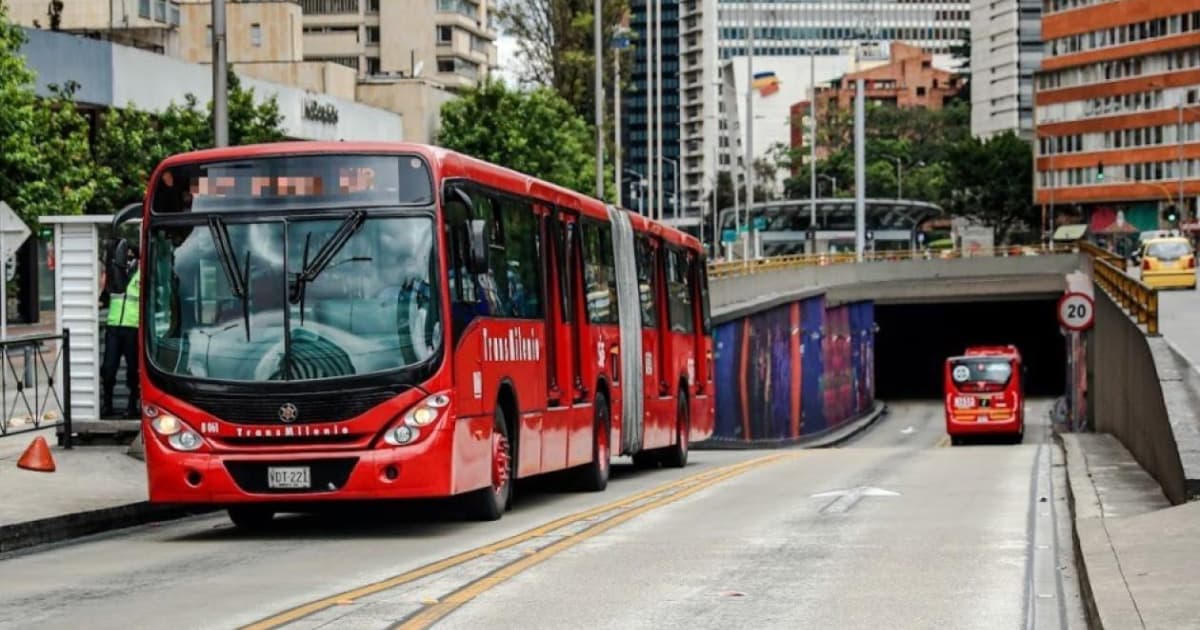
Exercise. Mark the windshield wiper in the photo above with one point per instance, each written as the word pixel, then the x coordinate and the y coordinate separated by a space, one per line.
pixel 321 260
pixel 238 282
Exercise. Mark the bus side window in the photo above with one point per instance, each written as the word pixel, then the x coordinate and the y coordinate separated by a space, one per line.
pixel 679 293
pixel 564 240
pixel 646 284
pixel 701 271
pixel 599 272
pixel 468 297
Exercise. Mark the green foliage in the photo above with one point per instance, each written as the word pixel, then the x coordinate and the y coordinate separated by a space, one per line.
pixel 44 162
pixel 535 132
pixel 942 163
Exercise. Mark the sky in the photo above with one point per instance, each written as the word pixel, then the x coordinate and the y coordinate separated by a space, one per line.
pixel 506 51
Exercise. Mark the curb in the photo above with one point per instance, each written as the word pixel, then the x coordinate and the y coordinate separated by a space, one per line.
pixel 1089 554
pixel 825 439
pixel 77 525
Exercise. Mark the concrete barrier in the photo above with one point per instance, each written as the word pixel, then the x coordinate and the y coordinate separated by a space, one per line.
pixel 908 280
pixel 1148 396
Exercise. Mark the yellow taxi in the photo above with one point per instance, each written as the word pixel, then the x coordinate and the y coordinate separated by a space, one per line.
pixel 1168 263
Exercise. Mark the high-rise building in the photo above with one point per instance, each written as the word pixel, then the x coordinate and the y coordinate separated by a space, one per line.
pixel 1006 49
pixel 699 113
pixel 640 140
pixel 793 27
pixel 452 41
pixel 1118 111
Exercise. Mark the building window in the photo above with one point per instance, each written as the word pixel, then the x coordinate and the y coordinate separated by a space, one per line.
pixel 445 34
pixel 445 65
pixel 920 90
pixel 256 35
pixel 372 34
pixel 372 6
pixel 373 66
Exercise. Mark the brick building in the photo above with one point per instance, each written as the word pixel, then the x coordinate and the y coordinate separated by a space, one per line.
pixel 1118 111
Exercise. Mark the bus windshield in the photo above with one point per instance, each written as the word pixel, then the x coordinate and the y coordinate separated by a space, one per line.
pixel 283 298
pixel 992 371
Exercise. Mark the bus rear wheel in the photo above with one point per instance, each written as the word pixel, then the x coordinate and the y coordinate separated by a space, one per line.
pixel 676 455
pixel 488 503
pixel 593 477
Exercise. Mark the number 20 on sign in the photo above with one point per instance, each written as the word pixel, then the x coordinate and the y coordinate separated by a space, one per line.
pixel 1076 311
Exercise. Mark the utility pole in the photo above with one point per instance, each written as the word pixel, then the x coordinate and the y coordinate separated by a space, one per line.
pixel 749 125
pixel 220 80
pixel 649 107
pixel 658 173
pixel 860 179
pixel 598 51
pixel 812 148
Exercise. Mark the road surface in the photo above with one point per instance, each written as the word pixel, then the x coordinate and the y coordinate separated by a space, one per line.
pixel 896 529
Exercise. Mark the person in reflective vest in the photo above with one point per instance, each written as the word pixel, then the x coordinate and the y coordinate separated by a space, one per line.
pixel 121 339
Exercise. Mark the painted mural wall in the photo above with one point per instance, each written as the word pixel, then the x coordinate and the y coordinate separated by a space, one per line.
pixel 793 371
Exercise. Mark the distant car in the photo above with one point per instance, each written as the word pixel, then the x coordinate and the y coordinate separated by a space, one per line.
pixel 985 393
pixel 1168 263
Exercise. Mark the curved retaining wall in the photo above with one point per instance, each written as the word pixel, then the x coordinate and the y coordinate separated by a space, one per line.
pixel 792 371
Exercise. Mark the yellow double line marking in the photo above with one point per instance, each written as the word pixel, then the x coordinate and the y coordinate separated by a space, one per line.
pixel 472 590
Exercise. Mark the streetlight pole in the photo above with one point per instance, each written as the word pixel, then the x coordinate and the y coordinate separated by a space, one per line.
pixel 649 99
pixel 749 124
pixel 220 80
pixel 812 146
pixel 674 165
pixel 598 52
pixel 658 98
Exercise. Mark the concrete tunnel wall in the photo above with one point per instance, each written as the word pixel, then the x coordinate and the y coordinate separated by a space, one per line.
pixel 792 371
pixel 1148 396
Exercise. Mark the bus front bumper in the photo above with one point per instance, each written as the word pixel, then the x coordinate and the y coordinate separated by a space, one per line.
pixel 422 470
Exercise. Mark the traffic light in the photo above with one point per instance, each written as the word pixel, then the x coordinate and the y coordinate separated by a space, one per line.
pixel 1100 172
pixel 1170 214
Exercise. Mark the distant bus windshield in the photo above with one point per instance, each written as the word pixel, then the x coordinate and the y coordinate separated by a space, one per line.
pixel 981 370
pixel 308 181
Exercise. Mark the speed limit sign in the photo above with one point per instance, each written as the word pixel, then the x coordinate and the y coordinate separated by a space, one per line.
pixel 1076 311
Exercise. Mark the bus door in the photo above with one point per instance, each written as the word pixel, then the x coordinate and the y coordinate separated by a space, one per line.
pixel 681 324
pixel 702 401
pixel 649 298
pixel 563 377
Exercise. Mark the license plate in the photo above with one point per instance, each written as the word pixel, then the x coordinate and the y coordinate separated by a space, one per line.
pixel 964 402
pixel 289 477
pixel 982 419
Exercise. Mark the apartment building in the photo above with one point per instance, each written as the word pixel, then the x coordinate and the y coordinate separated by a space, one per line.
pixel 450 41
pixel 908 79
pixel 1118 110
pixel 146 24
pixel 1006 50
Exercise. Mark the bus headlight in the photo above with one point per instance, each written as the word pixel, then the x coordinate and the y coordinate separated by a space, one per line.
pixel 179 435
pixel 423 414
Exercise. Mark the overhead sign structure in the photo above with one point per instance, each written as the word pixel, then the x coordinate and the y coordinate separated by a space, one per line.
pixel 1076 311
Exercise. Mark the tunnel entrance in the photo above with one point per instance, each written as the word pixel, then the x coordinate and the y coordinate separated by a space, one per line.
pixel 914 340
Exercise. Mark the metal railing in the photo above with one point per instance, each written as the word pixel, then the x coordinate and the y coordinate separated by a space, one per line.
pixel 728 269
pixel 1134 296
pixel 32 397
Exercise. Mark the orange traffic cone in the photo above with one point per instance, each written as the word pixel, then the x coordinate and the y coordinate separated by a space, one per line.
pixel 37 457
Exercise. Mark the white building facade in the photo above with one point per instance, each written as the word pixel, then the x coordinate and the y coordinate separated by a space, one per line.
pixel 1006 50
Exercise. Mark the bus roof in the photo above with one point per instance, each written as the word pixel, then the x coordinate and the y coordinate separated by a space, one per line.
pixel 445 163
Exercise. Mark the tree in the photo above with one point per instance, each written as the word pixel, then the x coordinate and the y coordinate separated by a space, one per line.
pixel 130 143
pixel 992 182
pixel 535 132
pixel 555 42
pixel 44 162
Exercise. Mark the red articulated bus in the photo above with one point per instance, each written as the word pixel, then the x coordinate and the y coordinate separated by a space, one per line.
pixel 985 393
pixel 336 321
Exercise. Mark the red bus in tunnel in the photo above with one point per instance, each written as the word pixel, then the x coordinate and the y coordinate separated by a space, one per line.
pixel 985 393
pixel 336 321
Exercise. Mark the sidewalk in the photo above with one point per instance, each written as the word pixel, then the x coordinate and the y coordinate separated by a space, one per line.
pixel 1139 556
pixel 93 489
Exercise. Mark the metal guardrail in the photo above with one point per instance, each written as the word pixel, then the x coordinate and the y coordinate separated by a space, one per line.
pixel 30 397
pixel 728 269
pixel 1133 295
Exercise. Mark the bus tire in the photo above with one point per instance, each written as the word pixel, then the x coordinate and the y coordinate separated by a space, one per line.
pixel 676 455
pixel 593 477
pixel 251 517
pixel 488 503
